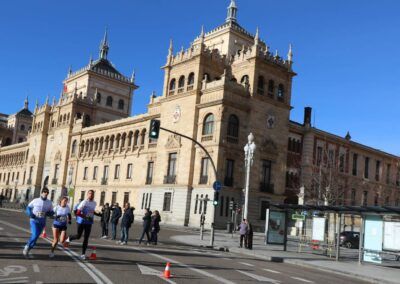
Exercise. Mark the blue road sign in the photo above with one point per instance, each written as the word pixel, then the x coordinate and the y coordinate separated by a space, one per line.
pixel 217 185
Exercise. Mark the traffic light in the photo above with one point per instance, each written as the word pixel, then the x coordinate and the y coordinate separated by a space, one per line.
pixel 216 198
pixel 231 204
pixel 154 129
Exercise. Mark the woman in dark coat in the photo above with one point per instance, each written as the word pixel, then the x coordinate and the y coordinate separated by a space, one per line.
pixel 155 226
pixel 146 225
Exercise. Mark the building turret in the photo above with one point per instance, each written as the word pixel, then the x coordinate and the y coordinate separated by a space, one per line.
pixel 232 12
pixel 104 47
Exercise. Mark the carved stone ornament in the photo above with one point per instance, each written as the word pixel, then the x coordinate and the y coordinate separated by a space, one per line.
pixel 271 121
pixel 57 157
pixel 174 141
pixel 269 146
pixel 177 114
pixel 32 160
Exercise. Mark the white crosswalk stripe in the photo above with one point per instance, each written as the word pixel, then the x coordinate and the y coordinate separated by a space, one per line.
pixel 302 279
pixel 259 278
pixel 272 271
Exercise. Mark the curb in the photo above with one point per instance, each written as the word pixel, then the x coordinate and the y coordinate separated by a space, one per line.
pixel 338 272
pixel 313 266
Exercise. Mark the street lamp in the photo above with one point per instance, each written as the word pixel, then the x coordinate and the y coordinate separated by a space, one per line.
pixel 249 150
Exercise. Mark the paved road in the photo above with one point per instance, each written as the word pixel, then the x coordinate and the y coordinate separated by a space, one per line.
pixel 139 264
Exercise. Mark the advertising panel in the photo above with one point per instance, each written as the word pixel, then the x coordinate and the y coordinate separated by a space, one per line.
pixel 318 229
pixel 391 236
pixel 275 227
pixel 373 237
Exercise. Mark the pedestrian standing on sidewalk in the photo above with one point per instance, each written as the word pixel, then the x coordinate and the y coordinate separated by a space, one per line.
pixel 37 210
pixel 126 223
pixel 62 216
pixel 104 220
pixel 1 200
pixel 243 232
pixel 155 227
pixel 146 225
pixel 85 215
pixel 249 235
pixel 116 214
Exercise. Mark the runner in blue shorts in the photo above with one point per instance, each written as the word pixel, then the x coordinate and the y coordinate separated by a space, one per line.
pixel 62 216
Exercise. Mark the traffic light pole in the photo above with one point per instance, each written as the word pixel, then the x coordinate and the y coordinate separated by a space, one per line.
pixel 215 173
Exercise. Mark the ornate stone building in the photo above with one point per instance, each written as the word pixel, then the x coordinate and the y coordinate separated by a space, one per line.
pixel 225 85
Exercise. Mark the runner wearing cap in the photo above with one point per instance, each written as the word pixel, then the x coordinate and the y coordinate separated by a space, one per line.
pixel 37 210
pixel 84 219
pixel 62 216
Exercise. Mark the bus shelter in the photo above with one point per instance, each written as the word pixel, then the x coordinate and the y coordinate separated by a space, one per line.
pixel 379 229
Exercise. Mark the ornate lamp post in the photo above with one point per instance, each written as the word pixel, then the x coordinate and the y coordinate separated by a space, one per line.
pixel 249 150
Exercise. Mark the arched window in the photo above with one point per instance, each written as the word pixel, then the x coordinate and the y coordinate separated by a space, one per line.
pixel 190 79
pixel 22 127
pixel 181 82
pixel 130 138
pixel 112 142
pixel 260 85
pixel 244 80
pixel 78 115
pixel 281 92
pixel 208 124
pixel 271 88
pixel 109 101
pixel 143 136
pixel 121 104
pixel 86 122
pixel 136 138
pixel 98 97
pixel 233 126
pixel 172 85
pixel 73 148
pixel 206 77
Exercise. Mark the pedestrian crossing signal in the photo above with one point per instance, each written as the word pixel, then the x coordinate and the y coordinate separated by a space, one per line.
pixel 154 129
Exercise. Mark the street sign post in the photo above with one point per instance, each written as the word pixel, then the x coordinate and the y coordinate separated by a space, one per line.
pixel 298 217
pixel 217 185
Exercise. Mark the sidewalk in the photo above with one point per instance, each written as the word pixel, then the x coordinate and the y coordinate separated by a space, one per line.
pixel 367 272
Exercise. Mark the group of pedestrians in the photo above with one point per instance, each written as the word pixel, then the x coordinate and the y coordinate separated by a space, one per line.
pixel 246 234
pixel 112 214
pixel 40 208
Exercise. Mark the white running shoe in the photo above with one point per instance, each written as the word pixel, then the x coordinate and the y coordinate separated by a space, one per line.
pixel 68 240
pixel 83 257
pixel 51 255
pixel 104 237
pixel 124 243
pixel 118 242
pixel 25 252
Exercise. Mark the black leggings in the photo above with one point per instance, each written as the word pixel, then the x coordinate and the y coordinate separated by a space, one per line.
pixel 83 227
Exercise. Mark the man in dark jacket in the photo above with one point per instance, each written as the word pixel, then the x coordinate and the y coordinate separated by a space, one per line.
pixel 116 214
pixel 105 219
pixel 126 223
pixel 146 225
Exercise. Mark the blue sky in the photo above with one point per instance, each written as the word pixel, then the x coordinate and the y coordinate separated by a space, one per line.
pixel 346 53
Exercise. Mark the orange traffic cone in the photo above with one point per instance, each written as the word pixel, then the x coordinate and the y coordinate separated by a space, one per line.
pixel 93 255
pixel 44 235
pixel 167 272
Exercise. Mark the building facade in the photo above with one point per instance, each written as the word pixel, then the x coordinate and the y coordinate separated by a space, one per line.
pixel 225 85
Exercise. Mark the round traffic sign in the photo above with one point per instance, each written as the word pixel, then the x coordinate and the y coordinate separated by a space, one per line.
pixel 217 185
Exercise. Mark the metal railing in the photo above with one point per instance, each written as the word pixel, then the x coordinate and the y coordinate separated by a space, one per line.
pixel 169 179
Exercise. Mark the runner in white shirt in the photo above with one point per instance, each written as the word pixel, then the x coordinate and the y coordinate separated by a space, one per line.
pixel 38 209
pixel 85 215
pixel 62 216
